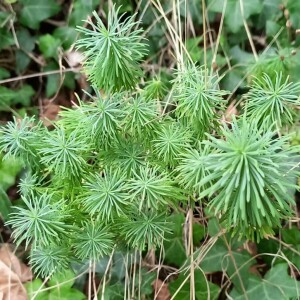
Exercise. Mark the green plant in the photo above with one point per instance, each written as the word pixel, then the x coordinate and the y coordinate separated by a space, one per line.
pixel 198 98
pixel 273 103
pixel 112 63
pixel 59 287
pixel 250 173
pixel 114 170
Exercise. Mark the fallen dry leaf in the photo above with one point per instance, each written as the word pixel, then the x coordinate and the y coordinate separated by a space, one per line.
pixel 12 274
pixel 255 269
pixel 161 290
pixel 49 112
pixel 74 58
pixel 251 248
pixel 231 110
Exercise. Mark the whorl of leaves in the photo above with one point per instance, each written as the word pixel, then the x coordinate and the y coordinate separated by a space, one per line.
pixel 50 260
pixel 112 52
pixel 40 222
pixel 273 103
pixel 93 241
pixel 20 139
pixel 250 176
pixel 198 97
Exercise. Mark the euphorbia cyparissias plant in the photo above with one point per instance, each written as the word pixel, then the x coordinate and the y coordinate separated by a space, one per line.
pixel 113 169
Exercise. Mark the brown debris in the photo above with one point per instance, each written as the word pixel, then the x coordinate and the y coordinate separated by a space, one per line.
pixel 49 112
pixel 12 274
pixel 230 111
pixel 161 290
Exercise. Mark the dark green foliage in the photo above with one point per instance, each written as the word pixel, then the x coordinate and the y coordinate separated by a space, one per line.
pixel 128 157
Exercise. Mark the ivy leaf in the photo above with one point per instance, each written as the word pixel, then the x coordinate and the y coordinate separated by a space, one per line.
pixel 213 226
pixel 10 97
pixel 6 38
pixel 120 264
pixel 192 46
pixel 234 78
pixel 226 258
pixel 5 205
pixel 213 261
pixel 6 97
pixel 194 9
pixel 114 292
pixel 272 28
pixel 9 169
pixel 22 61
pixel 24 95
pixel 35 11
pixel 198 233
pixel 82 8
pixel 5 16
pixel 292 237
pixel 49 45
pixel 69 80
pixel 270 247
pixel 53 80
pixel 173 244
pixel 67 276
pixel 272 7
pixel 142 282
pixel 240 56
pixel 293 8
pixel 64 291
pixel 35 286
pixel 67 36
pixel 4 73
pixel 276 285
pixel 66 294
pixel 174 249
pixel 25 39
pixel 201 290
pixel 59 289
pixel 27 43
pixel 233 16
pixel 126 6
pixel 146 282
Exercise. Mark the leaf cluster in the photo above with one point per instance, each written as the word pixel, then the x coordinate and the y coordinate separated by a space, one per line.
pixel 112 52
pixel 114 168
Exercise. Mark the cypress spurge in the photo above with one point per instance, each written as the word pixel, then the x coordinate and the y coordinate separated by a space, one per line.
pixel 115 167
